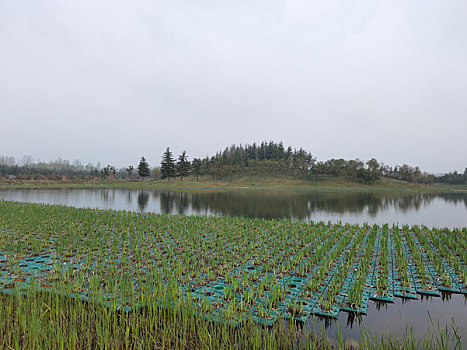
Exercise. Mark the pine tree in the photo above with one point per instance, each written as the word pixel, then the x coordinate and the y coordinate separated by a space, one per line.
pixel 196 167
pixel 143 168
pixel 167 165
pixel 183 166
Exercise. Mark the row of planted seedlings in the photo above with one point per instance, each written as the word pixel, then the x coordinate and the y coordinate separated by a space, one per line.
pixel 226 269
pixel 404 282
pixel 74 262
pixel 88 256
pixel 344 278
pixel 238 293
pixel 452 250
pixel 276 282
pixel 324 266
pixel 314 261
pixel 442 273
pixel 455 240
pixel 262 284
pixel 108 263
pixel 423 280
pixel 382 284
pixel 299 261
pixel 33 233
pixel 101 257
pixel 357 295
pixel 382 279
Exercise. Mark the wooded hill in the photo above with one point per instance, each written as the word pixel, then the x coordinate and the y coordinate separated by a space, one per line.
pixel 268 160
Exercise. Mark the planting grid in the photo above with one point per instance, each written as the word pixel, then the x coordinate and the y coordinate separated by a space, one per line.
pixel 225 269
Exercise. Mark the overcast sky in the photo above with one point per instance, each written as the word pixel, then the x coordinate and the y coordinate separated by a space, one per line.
pixel 112 80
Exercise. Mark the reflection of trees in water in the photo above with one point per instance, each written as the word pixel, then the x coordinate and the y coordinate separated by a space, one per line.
pixel 130 196
pixel 171 199
pixel 182 203
pixel 256 203
pixel 406 203
pixel 167 200
pixel 292 204
pixel 250 204
pixel 301 205
pixel 107 196
pixel 142 200
pixel 454 198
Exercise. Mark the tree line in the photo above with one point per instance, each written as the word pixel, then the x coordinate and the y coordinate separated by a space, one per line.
pixel 268 159
pixel 453 178
pixel 27 168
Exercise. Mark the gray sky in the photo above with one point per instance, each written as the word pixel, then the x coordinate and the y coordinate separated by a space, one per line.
pixel 112 80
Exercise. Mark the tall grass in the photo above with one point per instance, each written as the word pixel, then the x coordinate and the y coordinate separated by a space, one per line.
pixel 50 321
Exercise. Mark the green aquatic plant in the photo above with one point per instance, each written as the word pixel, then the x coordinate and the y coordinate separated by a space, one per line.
pixel 124 260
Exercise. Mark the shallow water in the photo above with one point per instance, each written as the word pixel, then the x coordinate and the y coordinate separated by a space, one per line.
pixel 439 210
pixel 424 316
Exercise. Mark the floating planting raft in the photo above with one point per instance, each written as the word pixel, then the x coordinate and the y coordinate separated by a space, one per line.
pixel 224 269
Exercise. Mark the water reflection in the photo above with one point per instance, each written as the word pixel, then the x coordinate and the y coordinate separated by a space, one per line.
pixel 445 296
pixel 299 205
pixel 353 317
pixel 166 202
pixel 108 197
pixel 445 209
pixel 143 199
pixel 380 305
pixel 130 197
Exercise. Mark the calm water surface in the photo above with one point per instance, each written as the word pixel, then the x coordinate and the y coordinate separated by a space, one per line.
pixel 439 210
pixel 424 317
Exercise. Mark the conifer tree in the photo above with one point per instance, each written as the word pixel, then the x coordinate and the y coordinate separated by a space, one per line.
pixel 143 168
pixel 196 167
pixel 167 165
pixel 183 166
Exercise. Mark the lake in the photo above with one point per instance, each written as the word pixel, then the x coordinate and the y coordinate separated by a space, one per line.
pixel 439 210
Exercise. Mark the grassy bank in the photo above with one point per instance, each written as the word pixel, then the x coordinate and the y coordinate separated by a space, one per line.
pixel 324 183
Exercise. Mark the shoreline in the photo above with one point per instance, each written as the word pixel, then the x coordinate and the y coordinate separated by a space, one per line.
pixel 385 185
